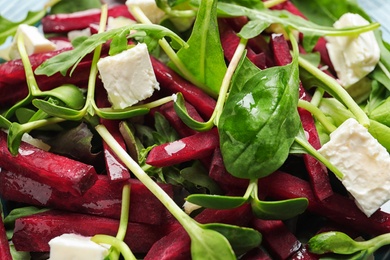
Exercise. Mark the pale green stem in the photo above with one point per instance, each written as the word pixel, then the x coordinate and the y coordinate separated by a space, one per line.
pixel 115 242
pixel 227 79
pixel 271 3
pixel 335 87
pixel 313 152
pixel 384 69
pixel 155 103
pixel 318 114
pixel 317 97
pixel 141 17
pixel 43 122
pixel 186 221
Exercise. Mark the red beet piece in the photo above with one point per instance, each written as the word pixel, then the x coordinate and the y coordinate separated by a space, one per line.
pixel 277 238
pixel 186 149
pixel 337 208
pixel 318 174
pixel 62 23
pixel 116 169
pixel 5 253
pixel 33 233
pixel 58 171
pixel 256 254
pixel 102 199
pixel 181 128
pixel 176 245
pixel 13 86
pixel 219 173
pixel 172 83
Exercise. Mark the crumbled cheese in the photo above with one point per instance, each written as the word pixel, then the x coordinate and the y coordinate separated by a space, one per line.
pixel 128 76
pixel 79 33
pixel 190 207
pixel 363 161
pixel 353 57
pixel 118 22
pixel 73 246
pixel 149 8
pixel 34 41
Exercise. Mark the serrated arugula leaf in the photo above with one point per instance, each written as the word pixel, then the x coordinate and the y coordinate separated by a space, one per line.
pixel 62 62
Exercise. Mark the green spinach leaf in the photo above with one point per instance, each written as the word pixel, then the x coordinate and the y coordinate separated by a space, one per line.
pixel 71 6
pixel 260 120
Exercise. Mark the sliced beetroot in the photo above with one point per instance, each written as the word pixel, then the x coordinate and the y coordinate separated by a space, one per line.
pixel 277 238
pixel 33 233
pixel 116 170
pixel 256 254
pixel 62 23
pixel 337 208
pixel 172 83
pixel 13 86
pixel 219 173
pixel 102 199
pixel 5 253
pixel 181 128
pixel 186 149
pixel 58 171
pixel 176 245
pixel 318 174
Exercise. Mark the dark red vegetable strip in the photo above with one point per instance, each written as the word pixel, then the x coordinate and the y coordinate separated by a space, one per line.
pixel 318 174
pixel 172 83
pixel 116 170
pixel 47 168
pixel 226 181
pixel 337 208
pixel 176 245
pixel 32 233
pixel 181 128
pixel 5 253
pixel 102 199
pixel 256 254
pixel 13 86
pixel 277 238
pixel 304 254
pixel 186 149
pixel 62 23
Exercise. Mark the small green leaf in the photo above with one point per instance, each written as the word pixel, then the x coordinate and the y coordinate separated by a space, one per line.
pixel 117 114
pixel 58 111
pixel 253 28
pixel 15 134
pixel 181 110
pixel 336 242
pixel 118 43
pixel 71 6
pixel 241 239
pixel 69 94
pixel 216 201
pixel 283 209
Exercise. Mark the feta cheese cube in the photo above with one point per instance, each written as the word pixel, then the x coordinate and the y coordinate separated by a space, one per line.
pixel 128 76
pixel 34 41
pixel 73 246
pixel 352 57
pixel 363 161
pixel 149 8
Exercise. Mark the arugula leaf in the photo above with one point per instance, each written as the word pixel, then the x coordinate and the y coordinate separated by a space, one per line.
pixel 260 120
pixel 311 31
pixel 71 6
pixel 326 12
pixel 204 57
pixel 64 61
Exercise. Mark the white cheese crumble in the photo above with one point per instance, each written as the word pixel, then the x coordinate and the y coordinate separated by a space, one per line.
pixel 190 207
pixel 353 57
pixel 363 161
pixel 34 41
pixel 73 246
pixel 128 76
pixel 174 147
pixel 149 8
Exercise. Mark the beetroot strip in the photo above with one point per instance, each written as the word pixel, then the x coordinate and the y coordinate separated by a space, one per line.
pixel 318 174
pixel 102 199
pixel 62 23
pixel 277 238
pixel 337 208
pixel 172 83
pixel 5 253
pixel 33 233
pixel 186 149
pixel 54 170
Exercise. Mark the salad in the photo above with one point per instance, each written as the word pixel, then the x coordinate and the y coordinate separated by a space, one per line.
pixel 194 130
